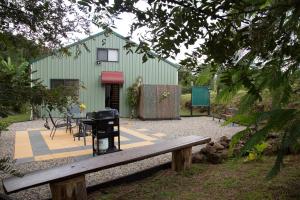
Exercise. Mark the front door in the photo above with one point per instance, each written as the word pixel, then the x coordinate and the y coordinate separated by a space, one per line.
pixel 112 96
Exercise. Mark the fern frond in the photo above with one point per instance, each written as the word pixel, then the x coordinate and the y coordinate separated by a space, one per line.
pixel 247 102
pixel 279 159
pixel 7 166
pixel 236 138
pixel 243 119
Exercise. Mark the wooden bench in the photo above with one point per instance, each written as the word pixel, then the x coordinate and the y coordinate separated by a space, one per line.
pixel 68 181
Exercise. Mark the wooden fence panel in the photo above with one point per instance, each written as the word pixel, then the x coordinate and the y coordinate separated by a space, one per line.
pixel 159 102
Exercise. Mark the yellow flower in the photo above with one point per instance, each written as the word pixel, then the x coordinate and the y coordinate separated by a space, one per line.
pixel 82 107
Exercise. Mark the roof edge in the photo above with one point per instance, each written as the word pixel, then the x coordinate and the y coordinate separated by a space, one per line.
pixel 101 33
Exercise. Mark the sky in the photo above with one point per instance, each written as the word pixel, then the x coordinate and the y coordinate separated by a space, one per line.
pixel 123 24
pixel 123 28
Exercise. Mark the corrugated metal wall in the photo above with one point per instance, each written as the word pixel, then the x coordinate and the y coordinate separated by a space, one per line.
pixel 87 71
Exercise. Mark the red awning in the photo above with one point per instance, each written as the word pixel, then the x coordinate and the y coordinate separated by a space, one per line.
pixel 112 78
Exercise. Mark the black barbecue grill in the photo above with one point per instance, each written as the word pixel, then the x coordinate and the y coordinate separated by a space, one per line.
pixel 105 126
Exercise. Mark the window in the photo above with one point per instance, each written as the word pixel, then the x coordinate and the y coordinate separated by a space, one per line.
pixel 113 55
pixel 55 83
pixel 66 83
pixel 108 55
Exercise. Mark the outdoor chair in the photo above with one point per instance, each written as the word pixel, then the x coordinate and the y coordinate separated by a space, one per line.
pixel 71 123
pixel 73 115
pixel 84 129
pixel 46 125
pixel 73 111
pixel 88 128
pixel 59 123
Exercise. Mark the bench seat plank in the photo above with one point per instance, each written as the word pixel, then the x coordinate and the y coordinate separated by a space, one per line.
pixel 36 178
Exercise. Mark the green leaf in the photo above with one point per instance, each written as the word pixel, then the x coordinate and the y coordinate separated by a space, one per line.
pixel 144 58
pixel 243 119
pixel 261 147
pixel 236 138
pixel 256 138
pixel 7 166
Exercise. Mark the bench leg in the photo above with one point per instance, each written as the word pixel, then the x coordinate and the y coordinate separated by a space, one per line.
pixel 182 159
pixel 74 188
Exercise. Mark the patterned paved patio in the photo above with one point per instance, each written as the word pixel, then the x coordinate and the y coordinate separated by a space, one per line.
pixel 36 144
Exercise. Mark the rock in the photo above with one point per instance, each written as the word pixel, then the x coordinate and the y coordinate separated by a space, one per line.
pixel 216 158
pixel 224 144
pixel 241 142
pixel 224 154
pixel 198 158
pixel 269 151
pixel 208 149
pixel 218 146
pixel 225 139
pixel 237 150
pixel 272 135
pixel 273 146
pixel 211 143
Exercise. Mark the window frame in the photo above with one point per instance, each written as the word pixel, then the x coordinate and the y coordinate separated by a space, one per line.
pixel 64 82
pixel 107 49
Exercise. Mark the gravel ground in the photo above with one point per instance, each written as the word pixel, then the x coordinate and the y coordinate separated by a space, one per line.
pixel 203 126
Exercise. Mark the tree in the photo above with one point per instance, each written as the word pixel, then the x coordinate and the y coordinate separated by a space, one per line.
pixel 26 28
pixel 29 29
pixel 185 77
pixel 42 21
pixel 253 44
pixel 206 77
pixel 19 48
pixel 16 87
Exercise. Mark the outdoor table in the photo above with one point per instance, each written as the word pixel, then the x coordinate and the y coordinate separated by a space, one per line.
pixel 78 117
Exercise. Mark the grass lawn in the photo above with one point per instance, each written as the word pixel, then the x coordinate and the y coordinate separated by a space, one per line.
pixel 183 99
pixel 16 118
pixel 184 111
pixel 231 180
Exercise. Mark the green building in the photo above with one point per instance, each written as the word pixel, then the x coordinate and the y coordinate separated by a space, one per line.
pixel 106 71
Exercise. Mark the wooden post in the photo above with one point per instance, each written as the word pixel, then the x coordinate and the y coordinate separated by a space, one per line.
pixel 74 189
pixel 192 99
pixel 182 159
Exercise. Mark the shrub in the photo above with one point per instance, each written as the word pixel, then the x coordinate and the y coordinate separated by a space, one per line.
pixel 3 126
pixel 133 96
